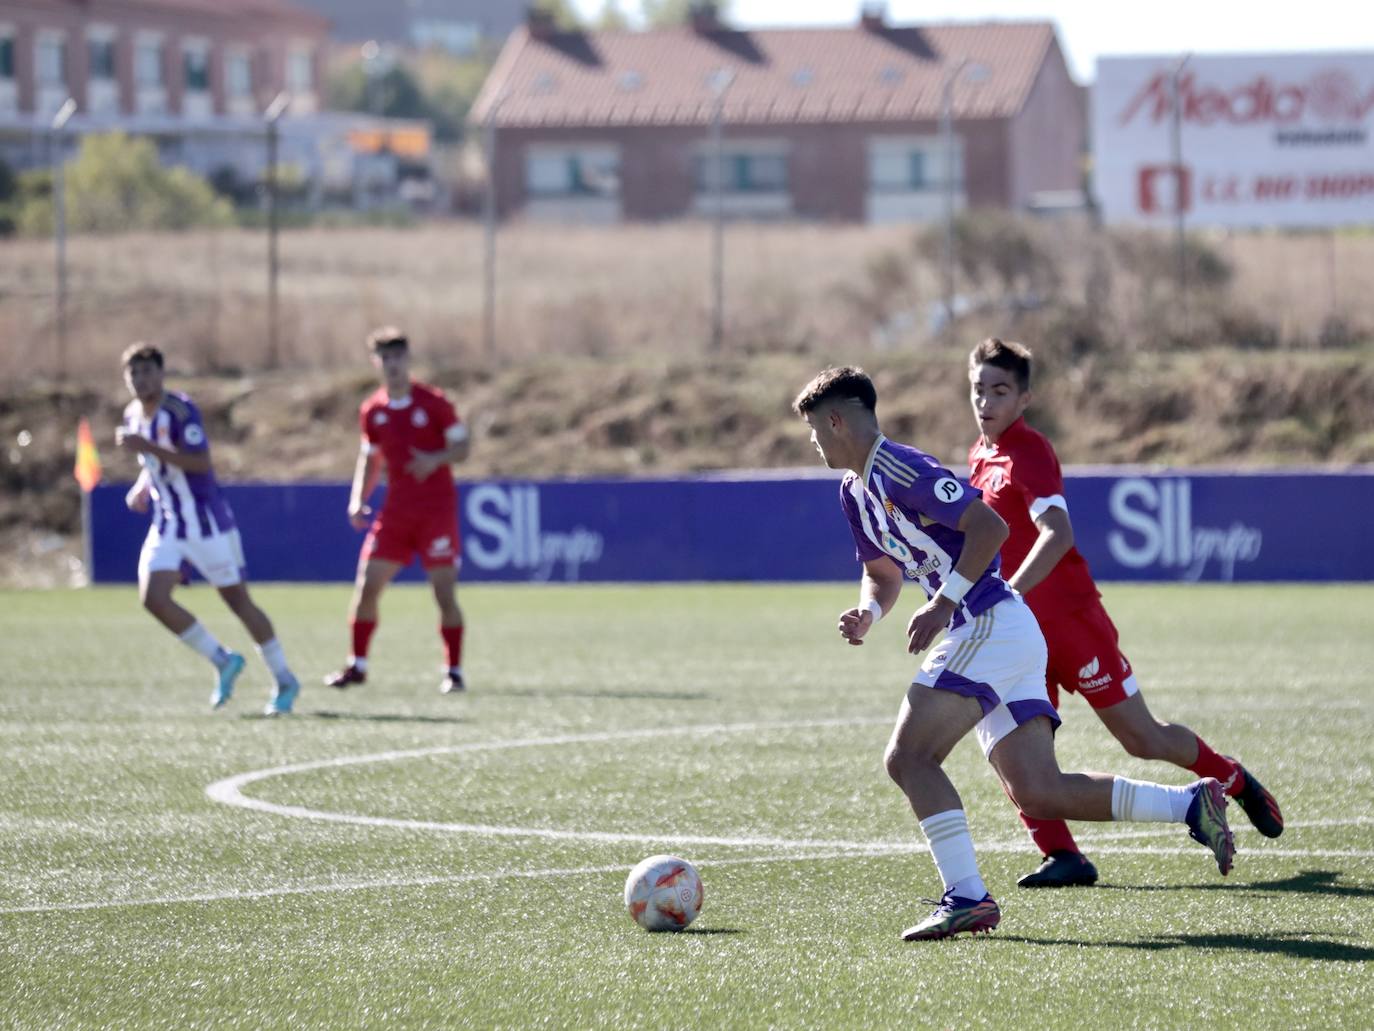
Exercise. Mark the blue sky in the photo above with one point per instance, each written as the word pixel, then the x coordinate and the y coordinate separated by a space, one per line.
pixel 1089 28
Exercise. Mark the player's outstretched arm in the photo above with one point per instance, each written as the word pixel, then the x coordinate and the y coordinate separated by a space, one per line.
pixel 879 588
pixel 1054 542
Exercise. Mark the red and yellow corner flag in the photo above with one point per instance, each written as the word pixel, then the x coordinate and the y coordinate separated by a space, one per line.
pixel 87 468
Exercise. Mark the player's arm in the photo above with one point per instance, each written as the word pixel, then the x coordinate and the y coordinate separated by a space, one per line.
pixel 1053 543
pixel 879 588
pixel 455 449
pixel 190 461
pixel 984 532
pixel 140 494
pixel 367 471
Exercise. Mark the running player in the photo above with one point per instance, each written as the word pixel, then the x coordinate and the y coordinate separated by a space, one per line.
pixel 911 519
pixel 412 430
pixel 191 523
pixel 1018 472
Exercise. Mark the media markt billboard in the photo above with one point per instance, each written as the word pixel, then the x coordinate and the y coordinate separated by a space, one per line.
pixel 1263 140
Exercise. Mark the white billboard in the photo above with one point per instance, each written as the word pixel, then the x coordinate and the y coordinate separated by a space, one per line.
pixel 1263 140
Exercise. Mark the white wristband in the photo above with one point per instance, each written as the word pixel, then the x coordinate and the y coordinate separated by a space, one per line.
pixel 872 606
pixel 954 588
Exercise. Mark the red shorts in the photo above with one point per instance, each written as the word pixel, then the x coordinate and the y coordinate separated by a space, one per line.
pixel 1084 658
pixel 400 535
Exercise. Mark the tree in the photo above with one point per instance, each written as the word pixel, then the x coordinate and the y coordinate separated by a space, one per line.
pixel 612 18
pixel 565 15
pixel 664 13
pixel 117 184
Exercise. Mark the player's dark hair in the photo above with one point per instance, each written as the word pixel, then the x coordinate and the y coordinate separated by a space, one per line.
pixel 387 338
pixel 140 352
pixel 846 383
pixel 1004 354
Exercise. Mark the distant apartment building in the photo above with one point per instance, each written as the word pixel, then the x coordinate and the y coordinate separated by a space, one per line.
pixel 196 76
pixel 458 26
pixel 843 124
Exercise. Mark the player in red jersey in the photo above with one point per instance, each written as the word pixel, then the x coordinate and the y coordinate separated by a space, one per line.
pixel 412 430
pixel 1018 472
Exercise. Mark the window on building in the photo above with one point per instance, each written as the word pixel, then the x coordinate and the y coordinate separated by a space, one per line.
pixel 6 57
pixel 51 61
pixel 195 64
pixel 238 74
pixel 100 55
pixel 300 71
pixel 911 166
pixel 593 172
pixel 745 171
pixel 148 62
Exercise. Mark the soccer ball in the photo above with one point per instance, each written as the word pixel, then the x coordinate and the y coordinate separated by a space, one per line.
pixel 663 893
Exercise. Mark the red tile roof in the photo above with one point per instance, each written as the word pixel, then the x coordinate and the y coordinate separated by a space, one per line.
pixel 663 77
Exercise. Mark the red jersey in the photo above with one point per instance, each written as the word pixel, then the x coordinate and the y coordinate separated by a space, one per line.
pixel 1020 478
pixel 424 421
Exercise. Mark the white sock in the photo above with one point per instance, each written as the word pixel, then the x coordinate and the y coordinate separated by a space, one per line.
pixel 201 641
pixel 1143 802
pixel 358 661
pixel 951 845
pixel 275 657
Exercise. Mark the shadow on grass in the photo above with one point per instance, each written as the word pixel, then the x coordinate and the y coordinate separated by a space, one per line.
pixel 1308 882
pixel 366 717
pixel 667 696
pixel 710 930
pixel 1289 943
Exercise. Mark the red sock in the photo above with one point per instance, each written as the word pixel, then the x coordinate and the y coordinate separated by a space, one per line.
pixel 362 634
pixel 1209 764
pixel 1050 835
pixel 453 644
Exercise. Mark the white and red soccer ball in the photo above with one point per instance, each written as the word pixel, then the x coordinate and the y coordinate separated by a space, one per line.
pixel 663 893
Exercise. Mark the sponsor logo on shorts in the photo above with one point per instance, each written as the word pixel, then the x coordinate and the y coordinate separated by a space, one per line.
pixel 441 546
pixel 1089 681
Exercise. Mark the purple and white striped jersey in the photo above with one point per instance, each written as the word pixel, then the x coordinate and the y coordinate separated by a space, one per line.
pixel 907 506
pixel 184 504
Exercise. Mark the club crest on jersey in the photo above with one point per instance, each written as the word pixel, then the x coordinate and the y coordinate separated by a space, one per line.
pixel 896 548
pixel 418 418
pixel 889 506
pixel 379 418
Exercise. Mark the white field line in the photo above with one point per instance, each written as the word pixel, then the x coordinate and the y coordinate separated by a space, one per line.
pixel 228 792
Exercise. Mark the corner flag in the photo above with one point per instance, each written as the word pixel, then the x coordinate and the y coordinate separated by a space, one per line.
pixel 87 468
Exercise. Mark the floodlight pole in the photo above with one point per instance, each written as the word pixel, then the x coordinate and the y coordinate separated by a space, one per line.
pixel 1176 147
pixel 490 225
pixel 720 83
pixel 947 144
pixel 273 115
pixel 59 195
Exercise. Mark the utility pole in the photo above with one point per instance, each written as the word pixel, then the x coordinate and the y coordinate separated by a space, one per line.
pixel 490 224
pixel 273 115
pixel 1176 148
pixel 59 197
pixel 720 84
pixel 974 73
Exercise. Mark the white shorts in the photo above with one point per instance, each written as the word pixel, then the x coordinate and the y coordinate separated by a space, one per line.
pixel 218 557
pixel 999 659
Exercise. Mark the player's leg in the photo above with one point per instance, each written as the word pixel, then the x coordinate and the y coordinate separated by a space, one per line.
pixel 374 573
pixel 1024 760
pixel 443 580
pixel 931 722
pixel 1123 711
pixel 1063 865
pixel 259 627
pixel 159 572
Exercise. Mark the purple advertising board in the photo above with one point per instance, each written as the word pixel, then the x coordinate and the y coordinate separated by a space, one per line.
pixel 1130 524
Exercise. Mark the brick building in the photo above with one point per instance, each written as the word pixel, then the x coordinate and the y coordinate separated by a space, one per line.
pixel 458 26
pixel 834 123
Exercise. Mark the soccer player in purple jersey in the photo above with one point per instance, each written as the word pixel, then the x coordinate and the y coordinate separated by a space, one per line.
pixel 191 522
pixel 911 519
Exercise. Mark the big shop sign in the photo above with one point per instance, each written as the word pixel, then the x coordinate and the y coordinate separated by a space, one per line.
pixel 1266 140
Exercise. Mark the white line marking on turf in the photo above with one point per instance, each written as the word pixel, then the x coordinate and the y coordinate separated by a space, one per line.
pixel 398 882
